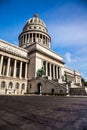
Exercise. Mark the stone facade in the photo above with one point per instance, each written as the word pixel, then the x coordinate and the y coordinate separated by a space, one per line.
pixel 19 65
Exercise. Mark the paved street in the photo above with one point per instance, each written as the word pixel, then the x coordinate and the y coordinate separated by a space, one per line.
pixel 43 113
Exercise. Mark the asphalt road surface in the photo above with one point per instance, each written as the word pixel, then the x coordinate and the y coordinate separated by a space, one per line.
pixel 43 113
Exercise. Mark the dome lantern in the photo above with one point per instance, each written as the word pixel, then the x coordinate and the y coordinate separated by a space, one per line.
pixel 35 15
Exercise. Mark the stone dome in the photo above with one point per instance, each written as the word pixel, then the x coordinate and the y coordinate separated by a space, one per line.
pixel 35 23
pixel 35 20
pixel 34 31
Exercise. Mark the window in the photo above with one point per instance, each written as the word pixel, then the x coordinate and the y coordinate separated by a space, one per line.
pixel 23 86
pixel 30 85
pixel 52 91
pixel 17 86
pixel 40 28
pixel 3 84
pixel 34 27
pixel 10 85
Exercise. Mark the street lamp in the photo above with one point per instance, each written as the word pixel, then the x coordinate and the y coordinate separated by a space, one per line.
pixel 67 87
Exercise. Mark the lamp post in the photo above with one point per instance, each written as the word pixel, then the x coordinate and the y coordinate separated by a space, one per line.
pixel 67 87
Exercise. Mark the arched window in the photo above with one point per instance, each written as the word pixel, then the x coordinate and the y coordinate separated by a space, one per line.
pixel 10 85
pixel 3 84
pixel 17 86
pixel 23 86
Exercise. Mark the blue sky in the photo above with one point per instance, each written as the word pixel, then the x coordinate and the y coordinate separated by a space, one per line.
pixel 66 21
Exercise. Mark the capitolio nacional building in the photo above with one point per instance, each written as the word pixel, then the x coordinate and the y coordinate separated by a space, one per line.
pixel 33 67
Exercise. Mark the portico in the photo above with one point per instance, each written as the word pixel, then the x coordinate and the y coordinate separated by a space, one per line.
pixel 9 67
pixel 52 70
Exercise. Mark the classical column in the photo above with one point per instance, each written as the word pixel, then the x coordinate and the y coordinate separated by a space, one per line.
pixel 25 38
pixel 8 67
pixel 26 71
pixel 38 37
pixel 15 64
pixel 60 75
pixel 32 37
pixel 28 37
pixel 53 71
pixel 50 71
pixel 57 72
pixel 1 64
pixel 22 40
pixel 46 40
pixel 20 75
pixel 35 37
pixel 42 38
pixel 46 69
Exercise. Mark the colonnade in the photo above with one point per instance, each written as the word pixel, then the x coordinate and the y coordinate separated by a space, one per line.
pixel 9 67
pixel 34 37
pixel 52 70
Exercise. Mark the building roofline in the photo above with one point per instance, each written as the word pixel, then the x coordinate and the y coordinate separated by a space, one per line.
pixel 11 44
pixel 39 50
pixel 74 71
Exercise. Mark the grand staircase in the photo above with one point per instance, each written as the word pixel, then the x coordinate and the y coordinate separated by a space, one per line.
pixel 54 86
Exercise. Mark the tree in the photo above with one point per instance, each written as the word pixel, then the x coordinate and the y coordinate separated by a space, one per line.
pixel 41 72
pixel 84 82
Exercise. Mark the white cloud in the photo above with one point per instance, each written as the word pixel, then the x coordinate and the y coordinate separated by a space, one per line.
pixel 77 62
pixel 69 34
pixel 68 58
